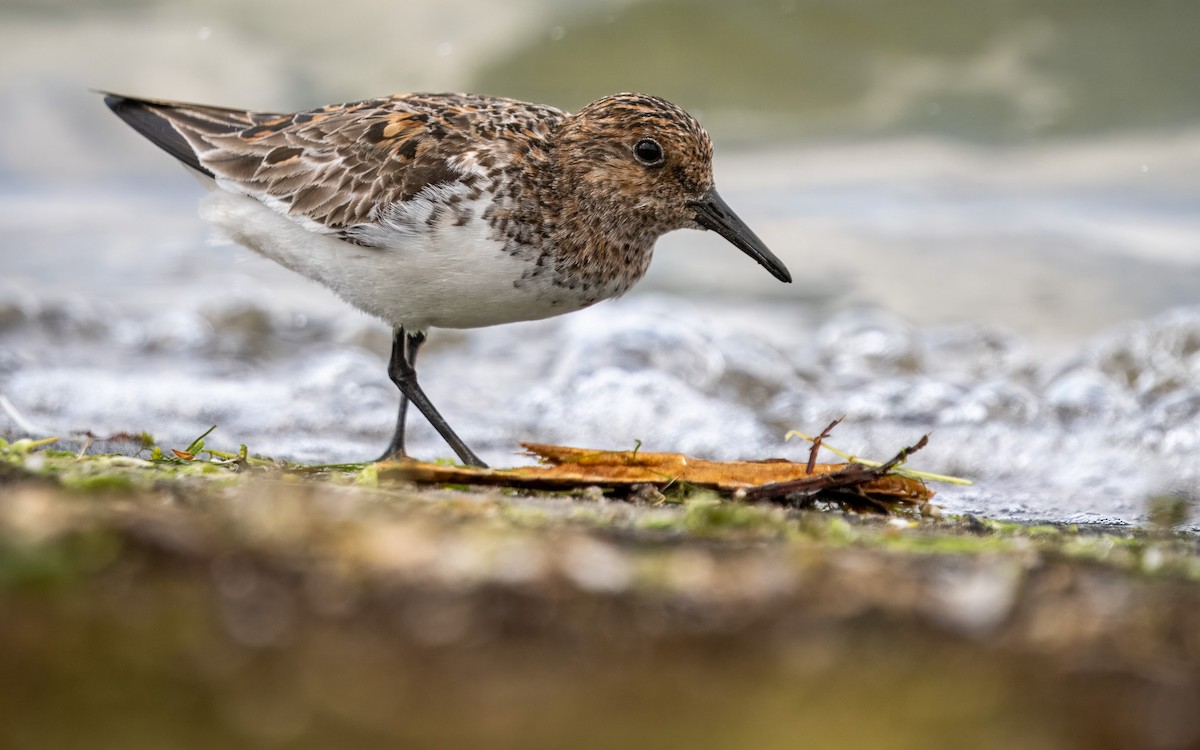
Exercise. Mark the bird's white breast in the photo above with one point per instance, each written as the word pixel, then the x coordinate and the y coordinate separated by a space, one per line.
pixel 422 273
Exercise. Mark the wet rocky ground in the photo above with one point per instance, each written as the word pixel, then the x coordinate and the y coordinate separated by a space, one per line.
pixel 147 601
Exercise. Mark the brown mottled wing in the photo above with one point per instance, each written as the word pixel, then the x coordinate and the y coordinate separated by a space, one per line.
pixel 335 166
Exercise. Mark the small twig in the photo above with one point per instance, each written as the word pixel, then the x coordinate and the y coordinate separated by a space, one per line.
pixel 923 476
pixel 851 476
pixel 816 444
pixel 902 456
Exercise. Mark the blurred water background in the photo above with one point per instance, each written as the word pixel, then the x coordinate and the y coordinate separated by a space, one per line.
pixel 990 208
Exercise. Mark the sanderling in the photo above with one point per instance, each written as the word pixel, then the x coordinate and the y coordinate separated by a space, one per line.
pixel 452 210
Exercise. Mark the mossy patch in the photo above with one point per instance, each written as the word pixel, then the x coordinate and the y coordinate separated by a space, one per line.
pixel 336 591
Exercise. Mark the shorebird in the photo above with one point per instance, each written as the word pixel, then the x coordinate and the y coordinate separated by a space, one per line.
pixel 452 210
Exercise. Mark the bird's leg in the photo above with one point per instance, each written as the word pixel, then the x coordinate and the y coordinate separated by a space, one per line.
pixel 402 371
pixel 403 347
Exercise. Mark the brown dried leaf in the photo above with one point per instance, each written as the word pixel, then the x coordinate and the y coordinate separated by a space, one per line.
pixel 565 468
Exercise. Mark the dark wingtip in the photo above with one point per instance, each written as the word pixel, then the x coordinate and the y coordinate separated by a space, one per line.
pixel 114 101
pixel 145 117
pixel 120 104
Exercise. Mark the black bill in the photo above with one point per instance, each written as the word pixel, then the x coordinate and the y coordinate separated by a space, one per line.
pixel 713 213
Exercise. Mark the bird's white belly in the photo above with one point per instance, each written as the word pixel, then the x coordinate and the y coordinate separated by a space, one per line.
pixel 442 276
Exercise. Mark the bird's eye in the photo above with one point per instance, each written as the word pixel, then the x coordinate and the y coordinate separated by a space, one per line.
pixel 648 152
